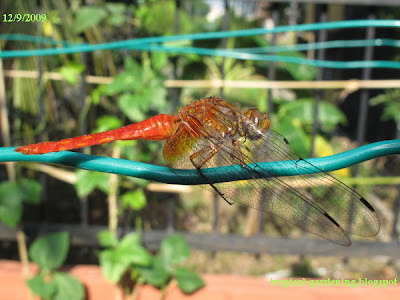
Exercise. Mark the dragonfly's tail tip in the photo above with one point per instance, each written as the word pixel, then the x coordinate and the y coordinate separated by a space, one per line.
pixel 24 150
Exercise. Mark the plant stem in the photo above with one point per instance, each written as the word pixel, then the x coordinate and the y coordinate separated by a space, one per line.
pixel 135 291
pixel 23 256
pixel 112 197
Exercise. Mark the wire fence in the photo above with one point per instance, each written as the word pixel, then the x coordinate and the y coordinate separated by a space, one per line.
pixel 85 234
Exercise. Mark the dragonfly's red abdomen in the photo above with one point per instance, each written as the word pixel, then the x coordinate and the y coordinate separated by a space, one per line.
pixel 159 127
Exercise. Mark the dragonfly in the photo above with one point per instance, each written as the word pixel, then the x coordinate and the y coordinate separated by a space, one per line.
pixel 212 133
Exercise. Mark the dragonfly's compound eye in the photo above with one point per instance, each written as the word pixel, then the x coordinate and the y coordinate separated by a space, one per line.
pixel 259 119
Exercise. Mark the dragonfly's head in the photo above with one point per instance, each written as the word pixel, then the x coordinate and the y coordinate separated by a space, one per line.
pixel 258 119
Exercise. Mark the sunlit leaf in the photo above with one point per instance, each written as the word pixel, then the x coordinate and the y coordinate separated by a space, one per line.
pixel 135 199
pixel 68 287
pixel 174 249
pixel 107 239
pixel 39 286
pixel 10 203
pixel 188 281
pixel 87 181
pixel 88 16
pixel 50 251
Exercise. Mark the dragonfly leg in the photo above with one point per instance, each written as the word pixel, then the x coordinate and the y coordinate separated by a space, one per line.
pixel 206 154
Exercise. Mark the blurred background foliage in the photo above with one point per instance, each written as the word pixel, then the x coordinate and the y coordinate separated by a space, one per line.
pixel 42 109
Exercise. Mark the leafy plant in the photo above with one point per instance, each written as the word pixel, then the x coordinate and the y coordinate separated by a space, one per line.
pixel 294 121
pixel 128 258
pixel 167 266
pixel 87 181
pixel 139 89
pixel 121 256
pixel 13 195
pixel 391 104
pixel 49 253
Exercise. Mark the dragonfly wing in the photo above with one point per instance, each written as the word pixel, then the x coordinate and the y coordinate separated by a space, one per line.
pixel 272 196
pixel 349 209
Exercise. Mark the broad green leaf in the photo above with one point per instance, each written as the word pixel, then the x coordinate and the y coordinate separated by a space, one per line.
pixel 40 287
pixel 71 71
pixel 136 255
pixel 50 251
pixel 188 281
pixel 114 263
pixel 68 287
pixel 135 200
pixel 159 59
pixel 174 249
pixel 87 181
pixel 96 93
pixel 124 82
pixel 117 10
pixel 130 240
pixel 107 122
pixel 30 190
pixel 88 16
pixel 130 106
pixel 107 239
pixel 130 80
pixel 11 198
pixel 112 266
pixel 156 274
pixel 328 115
pixel 292 130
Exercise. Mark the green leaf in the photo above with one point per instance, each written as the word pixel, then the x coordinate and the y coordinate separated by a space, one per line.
pixel 117 10
pixel 88 16
pixel 302 109
pixel 30 190
pixel 107 122
pixel 136 255
pixel 115 262
pixel 71 71
pixel 156 275
pixel 188 281
pixel 135 200
pixel 112 266
pixel 50 251
pixel 87 181
pixel 159 59
pixel 96 93
pixel 292 130
pixel 40 287
pixel 107 239
pixel 130 80
pixel 130 240
pixel 10 203
pixel 174 249
pixel 129 105
pixel 68 287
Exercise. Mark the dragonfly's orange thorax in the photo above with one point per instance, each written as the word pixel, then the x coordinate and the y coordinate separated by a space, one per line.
pixel 208 116
pixel 212 115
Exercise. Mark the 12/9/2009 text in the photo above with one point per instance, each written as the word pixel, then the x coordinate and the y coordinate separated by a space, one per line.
pixel 8 18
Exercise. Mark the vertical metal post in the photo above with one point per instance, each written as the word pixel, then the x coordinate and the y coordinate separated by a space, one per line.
pixel 170 213
pixel 366 74
pixel 224 41
pixel 363 107
pixel 271 77
pixel 322 36
pixel 84 209
pixel 272 65
pixel 174 92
